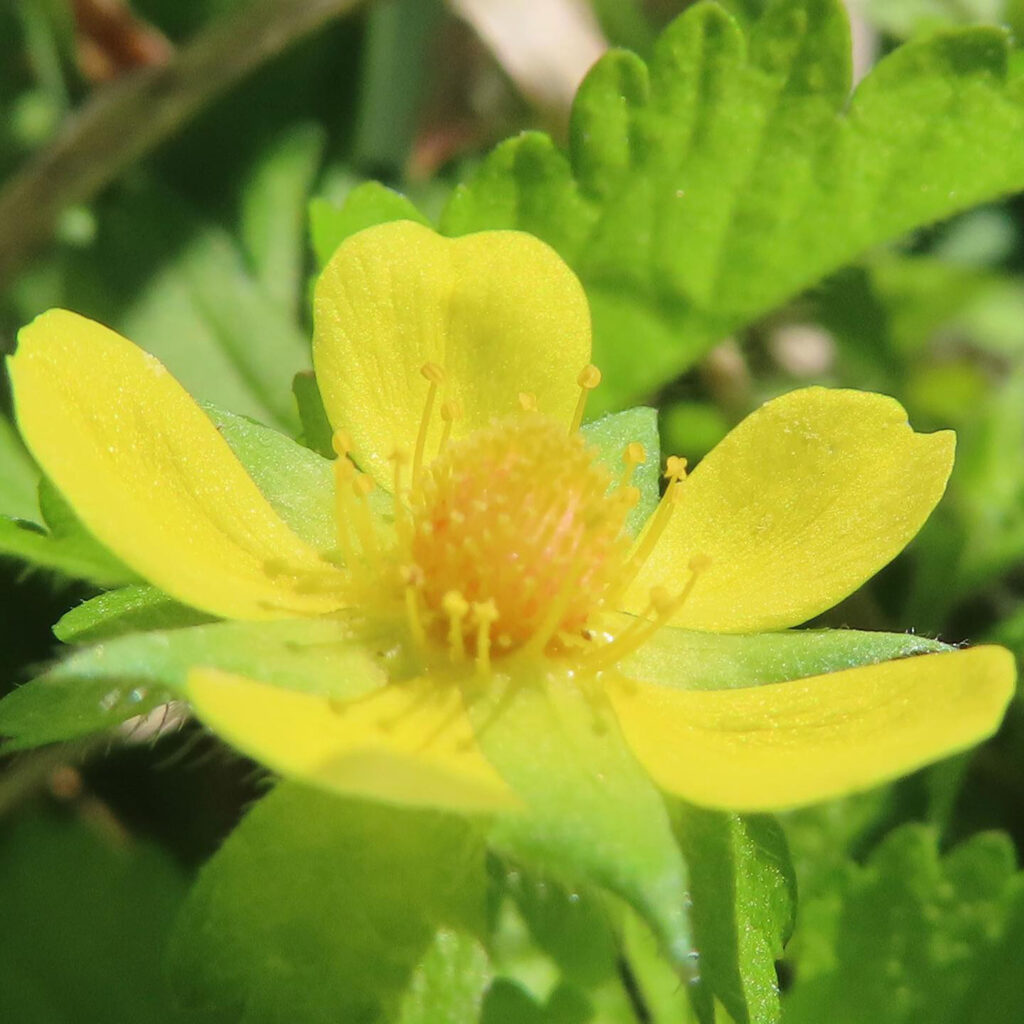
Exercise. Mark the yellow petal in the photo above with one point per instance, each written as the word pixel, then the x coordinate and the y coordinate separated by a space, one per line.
pixel 788 744
pixel 499 311
pixel 801 503
pixel 407 743
pixel 148 473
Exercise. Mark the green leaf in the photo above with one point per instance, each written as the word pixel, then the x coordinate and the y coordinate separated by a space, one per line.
pixel 86 915
pixel 273 216
pixel 298 482
pixel 322 909
pixel 918 937
pixel 19 477
pixel 99 687
pixel 573 927
pixel 610 434
pixel 719 661
pixel 666 1001
pixel 200 312
pixel 744 898
pixel 401 40
pixel 905 18
pixel 509 1003
pixel 449 982
pixel 703 191
pixel 366 205
pixel 593 816
pixel 317 432
pixel 132 609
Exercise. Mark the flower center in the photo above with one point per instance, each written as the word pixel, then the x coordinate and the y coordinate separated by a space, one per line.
pixel 514 529
pixel 509 539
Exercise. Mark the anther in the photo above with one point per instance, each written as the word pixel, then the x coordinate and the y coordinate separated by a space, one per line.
pixel 432 372
pixel 675 468
pixel 589 378
pixel 435 376
pixel 341 443
pixel 277 567
pixel 456 608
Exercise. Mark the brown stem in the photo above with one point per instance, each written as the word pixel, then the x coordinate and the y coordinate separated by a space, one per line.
pixel 127 118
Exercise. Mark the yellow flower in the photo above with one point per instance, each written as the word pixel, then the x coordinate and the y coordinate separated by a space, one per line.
pixel 481 553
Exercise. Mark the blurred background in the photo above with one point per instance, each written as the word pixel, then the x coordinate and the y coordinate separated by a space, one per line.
pixel 157 163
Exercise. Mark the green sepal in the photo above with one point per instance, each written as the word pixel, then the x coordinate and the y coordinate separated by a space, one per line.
pixel 64 545
pixel 298 482
pixel 132 609
pixel 366 205
pixel 609 435
pixel 743 893
pixel 593 817
pixel 72 557
pixel 319 909
pixel 690 660
pixel 98 687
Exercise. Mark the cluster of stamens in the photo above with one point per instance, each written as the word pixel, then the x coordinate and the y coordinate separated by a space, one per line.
pixel 509 540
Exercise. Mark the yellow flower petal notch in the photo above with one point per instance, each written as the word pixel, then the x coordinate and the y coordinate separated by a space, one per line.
pixel 498 311
pixel 806 499
pixel 151 477
pixel 789 744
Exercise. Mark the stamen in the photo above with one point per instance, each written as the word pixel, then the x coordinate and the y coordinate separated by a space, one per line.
pixel 485 614
pixel 558 607
pixel 435 375
pixel 589 378
pixel 343 473
pixel 456 608
pixel 633 456
pixel 399 458
pixel 629 496
pixel 675 472
pixel 360 488
pixel 413 580
pixel 451 410
pixel 637 633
